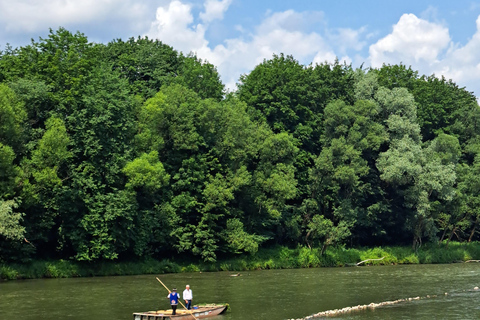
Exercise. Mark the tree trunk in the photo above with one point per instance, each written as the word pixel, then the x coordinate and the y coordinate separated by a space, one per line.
pixel 324 248
pixel 450 236
pixel 417 243
pixel 473 230
pixel 443 236
pixel 306 240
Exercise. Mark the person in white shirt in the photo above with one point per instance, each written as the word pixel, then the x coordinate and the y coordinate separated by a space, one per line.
pixel 188 296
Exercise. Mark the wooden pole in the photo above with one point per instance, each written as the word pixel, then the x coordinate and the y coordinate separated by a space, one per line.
pixel 179 300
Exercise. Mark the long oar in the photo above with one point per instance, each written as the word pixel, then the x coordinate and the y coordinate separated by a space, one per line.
pixel 178 299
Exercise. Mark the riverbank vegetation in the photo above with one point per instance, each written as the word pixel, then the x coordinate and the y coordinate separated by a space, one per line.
pixel 273 258
pixel 130 151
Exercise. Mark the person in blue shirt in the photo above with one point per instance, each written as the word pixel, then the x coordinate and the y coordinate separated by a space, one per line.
pixel 174 297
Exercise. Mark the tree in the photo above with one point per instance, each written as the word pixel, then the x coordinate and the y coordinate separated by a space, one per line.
pixel 200 76
pixel 146 64
pixel 440 102
pixel 339 180
pixel 10 221
pixel 146 172
pixel 8 172
pixel 12 117
pixel 418 173
pixel 291 98
pixel 227 173
pixel 469 200
pixel 322 229
pixel 40 177
pixel 102 129
pixel 149 64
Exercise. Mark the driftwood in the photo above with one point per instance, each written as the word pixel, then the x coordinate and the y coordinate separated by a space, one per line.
pixel 371 306
pixel 369 260
pixel 472 261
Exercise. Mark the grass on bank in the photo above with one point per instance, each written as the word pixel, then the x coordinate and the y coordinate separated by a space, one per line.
pixel 274 258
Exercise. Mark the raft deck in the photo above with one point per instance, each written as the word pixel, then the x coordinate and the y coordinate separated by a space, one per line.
pixel 202 312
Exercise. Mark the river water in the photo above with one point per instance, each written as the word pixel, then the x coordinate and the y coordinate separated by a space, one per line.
pixel 267 294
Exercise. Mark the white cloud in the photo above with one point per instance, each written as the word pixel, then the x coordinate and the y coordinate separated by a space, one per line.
pixel 291 20
pixel 462 64
pixel 428 48
pixel 214 10
pixel 345 39
pixel 327 56
pixel 31 15
pixel 413 41
pixel 281 32
pixel 173 26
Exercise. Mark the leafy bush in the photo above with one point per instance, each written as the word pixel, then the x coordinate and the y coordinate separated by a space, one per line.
pixel 8 273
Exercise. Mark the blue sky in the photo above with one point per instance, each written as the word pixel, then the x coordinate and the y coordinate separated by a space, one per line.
pixel 434 37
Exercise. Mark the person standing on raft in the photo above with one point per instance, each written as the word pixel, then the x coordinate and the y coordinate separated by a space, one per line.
pixel 188 296
pixel 173 297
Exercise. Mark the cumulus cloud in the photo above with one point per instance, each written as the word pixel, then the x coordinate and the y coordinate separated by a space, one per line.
pixel 174 26
pixel 32 15
pixel 424 43
pixel 413 41
pixel 279 32
pixel 427 47
pixel 462 64
pixel 282 32
pixel 214 10
pixel 346 39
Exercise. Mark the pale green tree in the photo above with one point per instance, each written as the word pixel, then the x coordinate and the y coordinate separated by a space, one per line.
pixel 11 220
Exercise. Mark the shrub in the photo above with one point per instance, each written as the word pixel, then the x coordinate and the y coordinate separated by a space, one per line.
pixel 8 273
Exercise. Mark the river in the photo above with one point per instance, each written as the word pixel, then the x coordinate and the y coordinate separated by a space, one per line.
pixel 445 291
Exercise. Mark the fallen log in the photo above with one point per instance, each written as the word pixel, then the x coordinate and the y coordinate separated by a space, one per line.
pixel 369 260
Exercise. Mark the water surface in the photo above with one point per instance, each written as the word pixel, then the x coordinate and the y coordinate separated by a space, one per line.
pixel 267 294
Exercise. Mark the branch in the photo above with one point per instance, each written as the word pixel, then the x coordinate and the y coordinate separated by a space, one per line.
pixel 472 261
pixel 25 239
pixel 369 260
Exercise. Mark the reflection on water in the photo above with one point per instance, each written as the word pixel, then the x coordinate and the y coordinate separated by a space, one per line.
pixel 268 294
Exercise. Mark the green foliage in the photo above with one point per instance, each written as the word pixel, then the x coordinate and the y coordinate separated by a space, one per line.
pixel 10 221
pixel 131 150
pixel 8 273
pixel 12 118
pixel 238 240
pixel 147 172
pixel 61 269
pixel 8 171
pixel 146 64
pixel 52 149
pixel 272 258
pixel 200 76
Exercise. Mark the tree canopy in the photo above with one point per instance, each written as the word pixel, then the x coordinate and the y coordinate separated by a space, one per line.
pixel 131 149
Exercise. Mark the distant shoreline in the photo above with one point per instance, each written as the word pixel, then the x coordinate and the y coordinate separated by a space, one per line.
pixel 273 258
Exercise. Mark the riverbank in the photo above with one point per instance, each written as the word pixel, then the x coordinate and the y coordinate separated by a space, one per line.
pixel 276 258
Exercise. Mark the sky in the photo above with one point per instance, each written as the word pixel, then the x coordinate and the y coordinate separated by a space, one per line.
pixel 440 37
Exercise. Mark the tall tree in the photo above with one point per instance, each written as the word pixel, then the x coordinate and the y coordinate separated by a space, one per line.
pixel 150 64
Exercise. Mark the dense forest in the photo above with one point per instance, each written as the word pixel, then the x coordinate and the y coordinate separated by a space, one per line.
pixel 131 149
